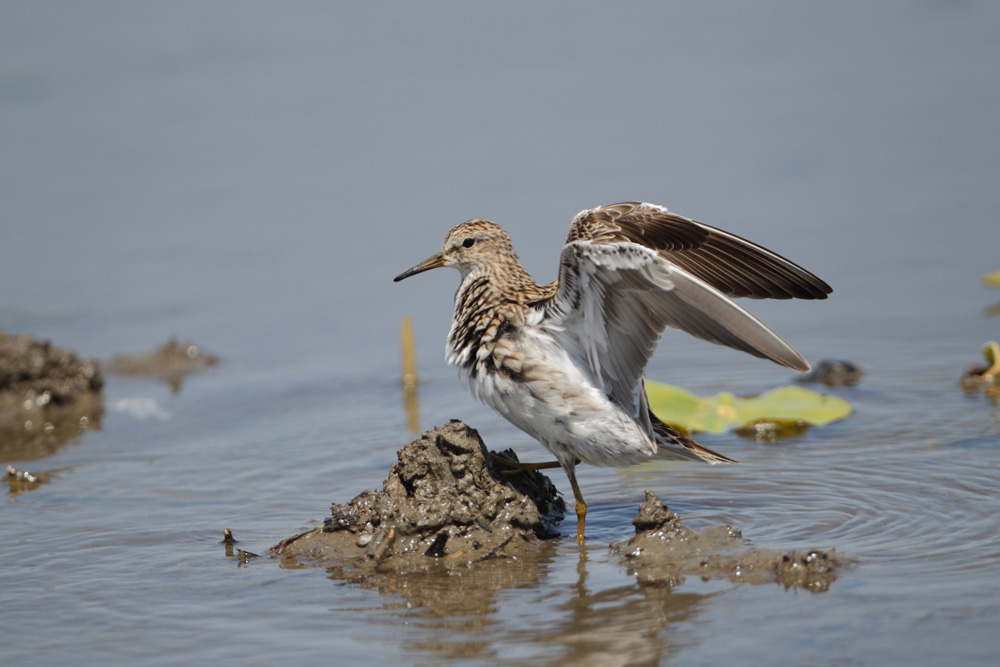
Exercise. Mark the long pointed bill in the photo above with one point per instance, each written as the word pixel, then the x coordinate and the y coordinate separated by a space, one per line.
pixel 426 265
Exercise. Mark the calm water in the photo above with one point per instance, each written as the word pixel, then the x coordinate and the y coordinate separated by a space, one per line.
pixel 250 177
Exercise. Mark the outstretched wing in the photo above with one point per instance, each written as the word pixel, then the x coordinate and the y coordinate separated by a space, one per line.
pixel 732 265
pixel 615 299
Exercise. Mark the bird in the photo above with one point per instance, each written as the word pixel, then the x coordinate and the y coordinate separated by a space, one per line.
pixel 564 362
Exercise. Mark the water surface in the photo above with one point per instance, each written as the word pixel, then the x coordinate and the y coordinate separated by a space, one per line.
pixel 251 177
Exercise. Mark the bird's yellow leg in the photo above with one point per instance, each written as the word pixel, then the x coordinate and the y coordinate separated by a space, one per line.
pixel 581 506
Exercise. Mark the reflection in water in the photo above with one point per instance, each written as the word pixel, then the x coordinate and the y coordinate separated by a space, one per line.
pixel 620 626
pixel 24 480
pixel 456 611
pixel 44 432
pixel 615 626
pixel 467 615
pixel 235 553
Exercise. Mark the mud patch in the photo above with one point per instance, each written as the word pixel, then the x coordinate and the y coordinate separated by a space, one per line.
pixel 446 504
pixel 48 397
pixel 20 481
pixel 664 552
pixel 835 373
pixel 170 363
pixel 447 509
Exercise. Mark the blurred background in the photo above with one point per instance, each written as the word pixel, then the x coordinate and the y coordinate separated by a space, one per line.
pixel 250 176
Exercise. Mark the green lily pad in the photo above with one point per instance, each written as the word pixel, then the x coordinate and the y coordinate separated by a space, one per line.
pixel 714 414
pixel 992 279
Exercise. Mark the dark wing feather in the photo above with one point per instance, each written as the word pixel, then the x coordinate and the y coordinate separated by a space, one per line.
pixel 733 265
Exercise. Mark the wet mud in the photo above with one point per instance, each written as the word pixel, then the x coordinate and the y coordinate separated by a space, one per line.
pixel 19 480
pixel 170 363
pixel 834 373
pixel 446 503
pixel 449 506
pixel 664 552
pixel 232 551
pixel 48 397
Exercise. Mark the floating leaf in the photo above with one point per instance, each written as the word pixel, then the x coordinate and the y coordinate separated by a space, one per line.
pixel 713 414
pixel 992 279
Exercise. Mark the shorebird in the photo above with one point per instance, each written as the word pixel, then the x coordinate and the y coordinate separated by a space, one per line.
pixel 564 362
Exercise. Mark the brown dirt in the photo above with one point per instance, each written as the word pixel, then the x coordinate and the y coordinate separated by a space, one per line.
pixel 445 504
pixel 48 397
pixel 835 373
pixel 664 552
pixel 170 363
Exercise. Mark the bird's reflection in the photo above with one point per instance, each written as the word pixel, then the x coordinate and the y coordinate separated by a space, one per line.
pixel 519 611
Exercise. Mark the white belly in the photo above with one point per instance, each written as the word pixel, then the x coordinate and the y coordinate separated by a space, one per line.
pixel 557 403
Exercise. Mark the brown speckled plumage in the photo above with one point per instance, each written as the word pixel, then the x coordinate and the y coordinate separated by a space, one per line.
pixel 564 362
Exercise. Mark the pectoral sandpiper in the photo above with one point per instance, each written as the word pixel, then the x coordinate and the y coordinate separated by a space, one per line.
pixel 564 362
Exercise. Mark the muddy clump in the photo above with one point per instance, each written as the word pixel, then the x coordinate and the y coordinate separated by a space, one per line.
pixel 48 396
pixel 664 552
pixel 445 504
pixel 20 481
pixel 170 363
pixel 835 373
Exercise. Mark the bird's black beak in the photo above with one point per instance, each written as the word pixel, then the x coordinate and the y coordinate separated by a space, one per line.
pixel 426 265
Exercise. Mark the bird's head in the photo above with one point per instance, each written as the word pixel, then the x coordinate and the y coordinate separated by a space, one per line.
pixel 468 247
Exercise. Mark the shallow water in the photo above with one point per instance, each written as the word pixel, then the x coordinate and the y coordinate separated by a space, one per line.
pixel 251 179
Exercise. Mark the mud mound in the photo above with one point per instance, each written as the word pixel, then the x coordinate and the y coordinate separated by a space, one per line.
pixel 834 373
pixel 446 503
pixel 664 551
pixel 170 363
pixel 48 396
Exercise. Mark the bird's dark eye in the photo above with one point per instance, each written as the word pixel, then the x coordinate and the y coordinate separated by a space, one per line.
pixel 467 243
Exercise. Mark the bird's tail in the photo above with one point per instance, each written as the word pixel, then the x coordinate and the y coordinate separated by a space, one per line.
pixel 672 445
